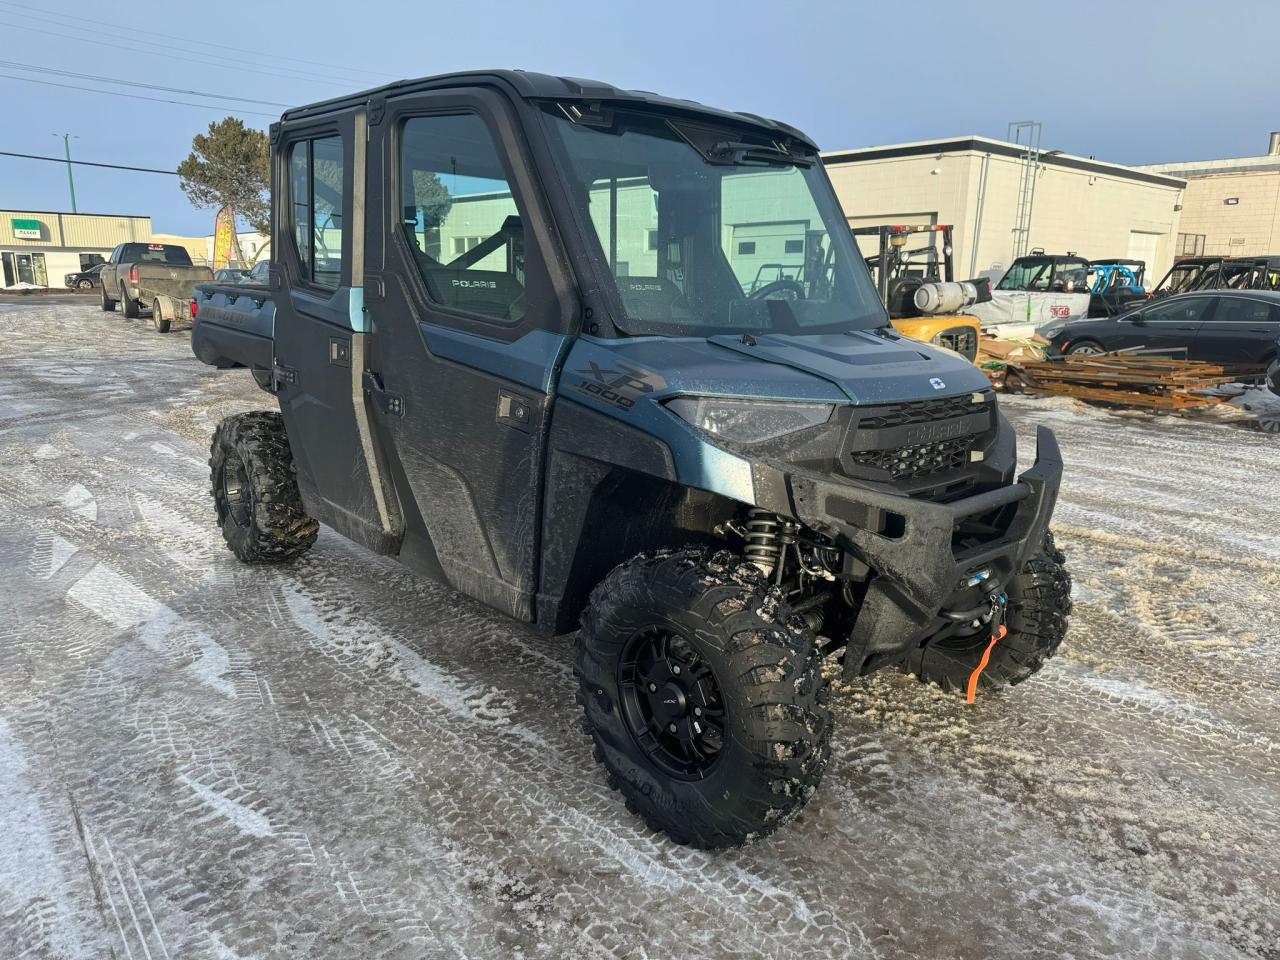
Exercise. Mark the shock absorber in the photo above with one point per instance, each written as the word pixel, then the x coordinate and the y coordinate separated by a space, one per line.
pixel 767 535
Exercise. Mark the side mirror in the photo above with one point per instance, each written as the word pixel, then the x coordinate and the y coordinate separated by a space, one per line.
pixel 1138 320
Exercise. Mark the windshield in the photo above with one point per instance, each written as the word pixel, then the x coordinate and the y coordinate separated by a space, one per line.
pixel 719 238
pixel 1047 274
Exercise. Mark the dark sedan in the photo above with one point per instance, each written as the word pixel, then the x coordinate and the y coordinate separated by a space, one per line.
pixel 85 279
pixel 1223 326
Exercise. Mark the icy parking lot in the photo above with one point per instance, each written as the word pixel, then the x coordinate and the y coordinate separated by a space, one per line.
pixel 336 759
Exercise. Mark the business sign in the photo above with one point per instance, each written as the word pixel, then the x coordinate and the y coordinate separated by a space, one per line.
pixel 27 229
pixel 224 237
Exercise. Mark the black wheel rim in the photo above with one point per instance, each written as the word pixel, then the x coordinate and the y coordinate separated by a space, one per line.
pixel 236 492
pixel 671 703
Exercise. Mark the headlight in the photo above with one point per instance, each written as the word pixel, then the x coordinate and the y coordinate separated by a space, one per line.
pixel 748 421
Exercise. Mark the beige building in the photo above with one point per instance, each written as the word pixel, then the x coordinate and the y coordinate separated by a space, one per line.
pixel 40 247
pixel 1080 205
pixel 1231 208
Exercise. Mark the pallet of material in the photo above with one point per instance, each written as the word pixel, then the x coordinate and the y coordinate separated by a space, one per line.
pixel 1160 383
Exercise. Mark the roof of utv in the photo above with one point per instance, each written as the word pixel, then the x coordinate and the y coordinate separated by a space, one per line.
pixel 540 86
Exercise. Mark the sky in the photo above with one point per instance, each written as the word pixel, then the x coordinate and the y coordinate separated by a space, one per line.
pixel 1138 82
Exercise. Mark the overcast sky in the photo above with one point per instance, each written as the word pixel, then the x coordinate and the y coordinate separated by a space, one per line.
pixel 1137 82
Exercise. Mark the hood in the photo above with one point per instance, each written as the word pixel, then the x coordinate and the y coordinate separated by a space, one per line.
pixel 861 367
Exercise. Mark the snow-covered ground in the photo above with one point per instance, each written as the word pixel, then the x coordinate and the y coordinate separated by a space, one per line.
pixel 207 761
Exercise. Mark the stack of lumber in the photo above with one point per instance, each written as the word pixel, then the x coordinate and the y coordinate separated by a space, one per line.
pixel 1154 382
pixel 995 353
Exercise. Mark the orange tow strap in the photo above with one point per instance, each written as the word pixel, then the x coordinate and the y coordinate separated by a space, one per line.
pixel 972 693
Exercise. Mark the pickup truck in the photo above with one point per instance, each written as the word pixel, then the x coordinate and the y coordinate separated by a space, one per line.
pixel 159 276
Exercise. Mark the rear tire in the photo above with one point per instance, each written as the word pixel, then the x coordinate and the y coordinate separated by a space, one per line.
pixel 751 673
pixel 255 490
pixel 1039 605
pixel 108 305
pixel 130 306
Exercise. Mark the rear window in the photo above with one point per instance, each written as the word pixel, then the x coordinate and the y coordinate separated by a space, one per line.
pixel 171 254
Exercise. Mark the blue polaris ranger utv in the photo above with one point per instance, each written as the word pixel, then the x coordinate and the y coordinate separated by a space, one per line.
pixel 516 331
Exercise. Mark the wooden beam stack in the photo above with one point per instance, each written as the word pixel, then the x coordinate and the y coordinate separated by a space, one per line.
pixel 1154 382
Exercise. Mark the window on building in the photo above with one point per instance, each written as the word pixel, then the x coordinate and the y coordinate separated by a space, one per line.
pixel 1190 245
pixel 462 244
pixel 794 246
pixel 460 217
pixel 746 248
pixel 90 260
pixel 24 268
pixel 653 239
pixel 317 186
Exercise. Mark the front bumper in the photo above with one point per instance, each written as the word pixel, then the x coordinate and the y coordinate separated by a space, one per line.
pixel 920 572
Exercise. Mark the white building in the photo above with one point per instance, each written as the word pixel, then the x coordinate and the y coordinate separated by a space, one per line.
pixel 41 247
pixel 1080 205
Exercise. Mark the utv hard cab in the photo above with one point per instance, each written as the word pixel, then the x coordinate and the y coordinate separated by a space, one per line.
pixel 516 335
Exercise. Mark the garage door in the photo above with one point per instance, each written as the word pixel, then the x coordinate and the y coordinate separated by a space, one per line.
pixel 1145 247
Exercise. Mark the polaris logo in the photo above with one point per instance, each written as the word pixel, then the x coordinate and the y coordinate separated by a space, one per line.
pixel 937 383
pixel 470 284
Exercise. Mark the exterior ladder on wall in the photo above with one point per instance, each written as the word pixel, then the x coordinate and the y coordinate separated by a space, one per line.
pixel 1026 134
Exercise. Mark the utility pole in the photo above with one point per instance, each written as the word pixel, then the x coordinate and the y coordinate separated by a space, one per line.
pixel 71 180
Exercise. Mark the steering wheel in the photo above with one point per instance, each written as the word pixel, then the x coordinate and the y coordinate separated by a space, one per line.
pixel 787 289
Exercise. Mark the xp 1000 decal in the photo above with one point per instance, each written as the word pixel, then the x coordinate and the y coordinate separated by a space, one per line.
pixel 615 383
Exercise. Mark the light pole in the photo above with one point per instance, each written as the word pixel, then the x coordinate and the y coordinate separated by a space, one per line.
pixel 71 180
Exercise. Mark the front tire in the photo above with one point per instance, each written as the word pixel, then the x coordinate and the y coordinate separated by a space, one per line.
pixel 1036 616
pixel 108 305
pixel 1086 348
pixel 85 285
pixel 703 696
pixel 255 490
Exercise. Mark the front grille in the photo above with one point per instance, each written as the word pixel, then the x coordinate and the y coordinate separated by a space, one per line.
pixel 963 340
pixel 920 440
pixel 920 411
pixel 918 462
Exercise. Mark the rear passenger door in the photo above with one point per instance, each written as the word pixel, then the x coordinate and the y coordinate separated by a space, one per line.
pixel 320 326
pixel 470 306
pixel 1241 330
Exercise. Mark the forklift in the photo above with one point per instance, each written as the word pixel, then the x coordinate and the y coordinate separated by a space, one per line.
pixel 919 288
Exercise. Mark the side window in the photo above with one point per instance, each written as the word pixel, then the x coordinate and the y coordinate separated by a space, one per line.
pixel 1178 311
pixel 317 185
pixel 1243 310
pixel 460 217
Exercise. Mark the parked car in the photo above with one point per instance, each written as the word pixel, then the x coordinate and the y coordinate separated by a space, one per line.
pixel 85 279
pixel 230 275
pixel 1223 326
pixel 260 275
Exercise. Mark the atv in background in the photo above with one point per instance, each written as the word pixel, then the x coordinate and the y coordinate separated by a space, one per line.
pixel 1115 286
pixel 516 331
pixel 1037 294
pixel 919 288
pixel 1219 273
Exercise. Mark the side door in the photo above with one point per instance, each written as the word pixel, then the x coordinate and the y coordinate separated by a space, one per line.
pixel 1241 330
pixel 320 328
pixel 471 307
pixel 1167 324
